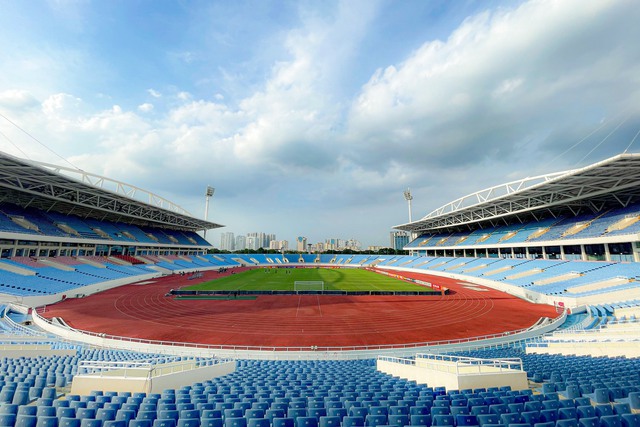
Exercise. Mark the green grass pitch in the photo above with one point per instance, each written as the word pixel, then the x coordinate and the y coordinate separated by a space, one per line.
pixel 282 279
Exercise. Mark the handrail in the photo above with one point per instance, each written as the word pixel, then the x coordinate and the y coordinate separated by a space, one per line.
pixel 512 335
pixel 137 369
pixel 460 365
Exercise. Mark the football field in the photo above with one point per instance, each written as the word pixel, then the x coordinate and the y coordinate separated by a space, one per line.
pixel 283 279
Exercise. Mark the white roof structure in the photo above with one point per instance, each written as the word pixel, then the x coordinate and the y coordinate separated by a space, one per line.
pixel 611 182
pixel 73 191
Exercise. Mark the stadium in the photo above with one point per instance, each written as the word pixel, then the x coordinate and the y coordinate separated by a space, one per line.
pixel 518 307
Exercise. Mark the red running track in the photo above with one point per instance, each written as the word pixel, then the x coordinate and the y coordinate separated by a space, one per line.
pixel 143 311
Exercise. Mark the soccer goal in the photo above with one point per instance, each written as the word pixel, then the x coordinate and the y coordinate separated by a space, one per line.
pixel 308 285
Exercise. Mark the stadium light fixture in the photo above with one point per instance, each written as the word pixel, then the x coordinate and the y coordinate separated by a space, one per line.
pixel 208 194
pixel 408 197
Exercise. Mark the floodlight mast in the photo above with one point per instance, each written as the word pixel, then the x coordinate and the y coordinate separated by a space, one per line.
pixel 408 197
pixel 208 195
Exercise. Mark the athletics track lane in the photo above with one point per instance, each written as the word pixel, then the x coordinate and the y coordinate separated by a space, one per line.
pixel 143 311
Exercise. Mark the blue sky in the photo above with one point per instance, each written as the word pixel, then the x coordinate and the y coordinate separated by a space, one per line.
pixel 311 118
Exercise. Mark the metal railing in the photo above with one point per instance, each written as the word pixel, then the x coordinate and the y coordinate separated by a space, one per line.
pixel 459 365
pixel 122 342
pixel 140 369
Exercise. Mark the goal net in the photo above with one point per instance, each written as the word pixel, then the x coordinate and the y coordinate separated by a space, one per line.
pixel 308 285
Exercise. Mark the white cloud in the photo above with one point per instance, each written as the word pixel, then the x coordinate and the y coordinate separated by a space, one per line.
pixel 458 97
pixel 145 108
pixel 17 99
pixel 154 93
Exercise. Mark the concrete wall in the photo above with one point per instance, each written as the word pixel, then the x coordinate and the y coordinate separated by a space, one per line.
pixel 143 381
pixel 446 375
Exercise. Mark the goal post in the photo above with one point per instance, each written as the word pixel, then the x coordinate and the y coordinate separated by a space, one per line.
pixel 308 285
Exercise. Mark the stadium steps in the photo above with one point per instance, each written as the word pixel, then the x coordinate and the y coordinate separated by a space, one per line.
pixel 555 279
pixel 16 269
pixel 54 264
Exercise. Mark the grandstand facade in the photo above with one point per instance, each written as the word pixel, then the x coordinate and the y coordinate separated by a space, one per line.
pixel 51 211
pixel 587 214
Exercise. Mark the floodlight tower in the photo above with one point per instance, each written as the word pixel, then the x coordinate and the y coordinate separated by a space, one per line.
pixel 208 195
pixel 408 197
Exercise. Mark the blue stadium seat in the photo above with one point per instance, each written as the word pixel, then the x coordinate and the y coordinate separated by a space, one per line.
pixel 400 410
pixel 330 421
pixel 420 420
pixel 585 411
pixel 600 395
pixel 610 421
pixel 210 413
pixel 208 422
pixel 634 400
pixel 630 420
pixel 306 422
pixel 378 410
pixel 484 419
pixel 69 422
pixel 173 414
pixel 351 421
pixel 23 420
pixel 164 422
pixel 27 410
pixel 105 415
pixel 358 412
pixel 567 413
pixel 7 420
pixel 466 420
pixel 589 422
pixel 480 410
pixel 283 422
pixel 336 412
pixel 65 412
pixel 21 397
pixel 235 422
pixel 459 410
pixel 511 418
pixel 126 415
pixel 195 422
pixel 442 420
pixel 567 422
pixel 549 415
pixel 258 422
pixel 147 415
pixel 46 411
pixel 621 408
pixel 398 420
pixel 47 420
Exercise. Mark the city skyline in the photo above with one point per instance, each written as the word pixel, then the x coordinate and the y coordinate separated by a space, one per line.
pixel 230 241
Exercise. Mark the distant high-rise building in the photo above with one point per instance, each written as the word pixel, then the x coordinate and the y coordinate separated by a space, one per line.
pixel 279 245
pixel 301 244
pixel 399 239
pixel 261 240
pixel 241 243
pixel 227 241
pixel 252 242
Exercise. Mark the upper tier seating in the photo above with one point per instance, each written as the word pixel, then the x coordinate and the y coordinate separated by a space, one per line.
pixel 588 225
pixel 52 223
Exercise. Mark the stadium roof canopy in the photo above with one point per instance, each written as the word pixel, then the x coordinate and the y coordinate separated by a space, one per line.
pixel 72 191
pixel 613 182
